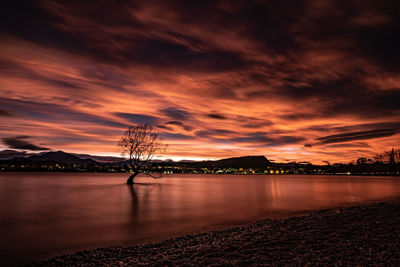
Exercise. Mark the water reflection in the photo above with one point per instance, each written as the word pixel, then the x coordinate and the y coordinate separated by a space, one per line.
pixel 135 204
pixel 43 214
pixel 145 191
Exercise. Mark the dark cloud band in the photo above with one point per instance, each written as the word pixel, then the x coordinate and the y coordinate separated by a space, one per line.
pixel 347 137
pixel 19 142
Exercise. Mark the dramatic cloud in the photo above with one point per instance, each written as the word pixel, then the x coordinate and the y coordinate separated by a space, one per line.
pixel 217 79
pixel 264 139
pixel 55 113
pixel 138 118
pixel 176 113
pixel 216 116
pixel 181 124
pixel 346 137
pixel 215 132
pixel 19 142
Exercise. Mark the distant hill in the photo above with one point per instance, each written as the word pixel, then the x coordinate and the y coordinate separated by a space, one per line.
pixel 10 154
pixel 247 162
pixel 253 162
pixel 102 159
pixel 60 157
pixel 55 156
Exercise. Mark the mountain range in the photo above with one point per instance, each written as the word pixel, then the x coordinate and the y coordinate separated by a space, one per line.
pixel 59 156
pixel 56 157
pixel 84 159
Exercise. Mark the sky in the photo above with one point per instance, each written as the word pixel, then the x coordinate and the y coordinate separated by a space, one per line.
pixel 292 80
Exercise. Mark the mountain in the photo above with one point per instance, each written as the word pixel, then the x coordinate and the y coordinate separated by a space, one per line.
pixel 55 156
pixel 253 162
pixel 247 162
pixel 103 159
pixel 60 157
pixel 10 154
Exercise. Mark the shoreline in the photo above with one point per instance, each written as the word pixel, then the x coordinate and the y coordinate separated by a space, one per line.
pixel 365 234
pixel 190 173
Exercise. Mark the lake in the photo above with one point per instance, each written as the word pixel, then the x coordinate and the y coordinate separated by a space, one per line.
pixel 47 214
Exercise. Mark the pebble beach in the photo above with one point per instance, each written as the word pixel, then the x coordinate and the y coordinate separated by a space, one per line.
pixel 360 235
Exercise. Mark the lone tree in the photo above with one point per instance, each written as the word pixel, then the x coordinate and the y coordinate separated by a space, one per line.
pixel 139 144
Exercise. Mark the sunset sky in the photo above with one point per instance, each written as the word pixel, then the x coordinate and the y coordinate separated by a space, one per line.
pixel 292 80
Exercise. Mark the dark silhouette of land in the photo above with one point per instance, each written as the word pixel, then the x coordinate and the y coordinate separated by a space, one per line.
pixel 248 162
pixel 60 157
pixel 387 163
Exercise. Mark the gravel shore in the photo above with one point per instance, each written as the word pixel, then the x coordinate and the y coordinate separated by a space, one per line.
pixel 362 235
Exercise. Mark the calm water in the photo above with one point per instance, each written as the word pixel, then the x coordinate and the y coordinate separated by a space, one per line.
pixel 46 214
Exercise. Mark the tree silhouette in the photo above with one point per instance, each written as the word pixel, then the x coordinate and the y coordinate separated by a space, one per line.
pixel 139 144
pixel 389 157
pixel 362 161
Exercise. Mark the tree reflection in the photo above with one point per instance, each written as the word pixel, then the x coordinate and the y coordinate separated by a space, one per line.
pixel 141 195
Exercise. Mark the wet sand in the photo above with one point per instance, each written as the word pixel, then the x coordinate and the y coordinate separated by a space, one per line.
pixel 360 235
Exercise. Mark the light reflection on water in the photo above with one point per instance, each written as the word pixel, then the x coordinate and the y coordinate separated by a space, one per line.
pixel 45 214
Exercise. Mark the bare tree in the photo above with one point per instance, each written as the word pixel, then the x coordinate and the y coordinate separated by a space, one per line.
pixel 389 157
pixel 139 144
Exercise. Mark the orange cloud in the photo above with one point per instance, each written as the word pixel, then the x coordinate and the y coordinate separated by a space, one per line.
pixel 217 81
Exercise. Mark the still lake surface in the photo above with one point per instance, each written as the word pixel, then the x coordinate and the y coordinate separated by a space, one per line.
pixel 47 214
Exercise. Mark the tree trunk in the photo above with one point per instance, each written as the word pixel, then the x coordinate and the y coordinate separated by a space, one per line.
pixel 130 179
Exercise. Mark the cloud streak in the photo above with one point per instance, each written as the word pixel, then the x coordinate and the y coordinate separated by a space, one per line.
pixel 20 142
pixel 347 137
